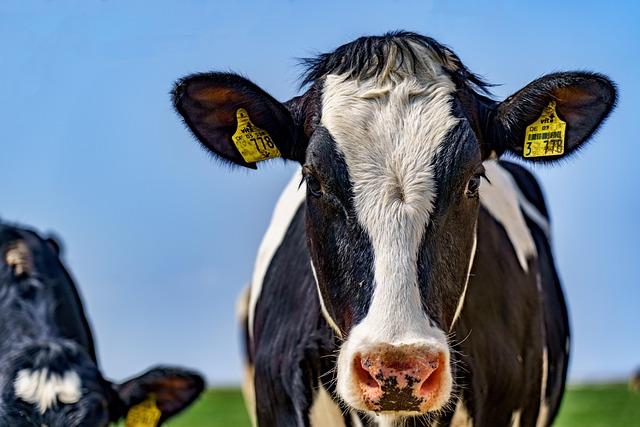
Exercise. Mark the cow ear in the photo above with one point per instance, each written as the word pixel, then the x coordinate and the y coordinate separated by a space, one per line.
pixel 235 119
pixel 161 390
pixel 553 116
pixel 55 243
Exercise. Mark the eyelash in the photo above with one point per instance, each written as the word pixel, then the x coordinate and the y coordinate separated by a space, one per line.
pixel 313 185
pixel 473 193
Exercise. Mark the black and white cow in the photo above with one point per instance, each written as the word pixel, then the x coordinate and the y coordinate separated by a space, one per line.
pixel 411 280
pixel 49 374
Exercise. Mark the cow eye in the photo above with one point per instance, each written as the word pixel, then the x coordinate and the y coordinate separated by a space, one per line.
pixel 473 186
pixel 313 185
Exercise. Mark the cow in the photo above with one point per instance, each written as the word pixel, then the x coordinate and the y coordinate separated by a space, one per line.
pixel 49 373
pixel 634 381
pixel 407 275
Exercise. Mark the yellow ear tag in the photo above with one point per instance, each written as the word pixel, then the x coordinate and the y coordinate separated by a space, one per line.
pixel 145 414
pixel 254 144
pixel 545 136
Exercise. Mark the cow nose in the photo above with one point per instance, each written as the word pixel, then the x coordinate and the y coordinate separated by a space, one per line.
pixel 398 379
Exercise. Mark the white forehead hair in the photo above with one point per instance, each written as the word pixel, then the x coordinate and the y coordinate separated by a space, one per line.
pixel 389 127
pixel 44 389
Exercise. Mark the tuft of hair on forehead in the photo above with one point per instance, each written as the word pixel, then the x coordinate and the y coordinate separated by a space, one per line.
pixel 399 53
pixel 19 257
pixel 44 388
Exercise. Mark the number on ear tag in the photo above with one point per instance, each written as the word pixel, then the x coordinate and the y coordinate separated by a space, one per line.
pixel 145 414
pixel 254 144
pixel 545 136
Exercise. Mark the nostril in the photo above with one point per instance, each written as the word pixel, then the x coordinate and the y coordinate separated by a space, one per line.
pixel 360 367
pixel 431 381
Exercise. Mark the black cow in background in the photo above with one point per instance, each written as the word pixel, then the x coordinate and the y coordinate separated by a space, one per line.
pixel 49 374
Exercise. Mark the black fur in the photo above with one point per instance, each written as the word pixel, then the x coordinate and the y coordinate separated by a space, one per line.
pixel 365 57
pixel 43 327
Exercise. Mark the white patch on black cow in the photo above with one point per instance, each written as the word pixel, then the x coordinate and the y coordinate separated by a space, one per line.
pixel 19 257
pixel 324 410
pixel 287 206
pixel 389 128
pixel 515 418
pixel 44 388
pixel 499 195
pixel 543 413
pixel 461 417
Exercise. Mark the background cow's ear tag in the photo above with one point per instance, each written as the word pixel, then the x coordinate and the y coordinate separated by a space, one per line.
pixel 254 144
pixel 545 136
pixel 144 414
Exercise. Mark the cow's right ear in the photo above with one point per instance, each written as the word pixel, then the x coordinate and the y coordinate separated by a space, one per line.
pixel 235 119
pixel 158 394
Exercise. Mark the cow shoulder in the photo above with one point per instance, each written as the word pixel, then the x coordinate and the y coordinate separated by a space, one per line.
pixel 289 340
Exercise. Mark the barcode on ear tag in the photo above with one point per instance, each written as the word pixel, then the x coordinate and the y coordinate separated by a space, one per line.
pixel 253 143
pixel 144 414
pixel 545 136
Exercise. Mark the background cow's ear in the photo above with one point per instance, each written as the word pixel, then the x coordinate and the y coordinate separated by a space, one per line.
pixel 235 119
pixel 55 243
pixel 582 100
pixel 173 389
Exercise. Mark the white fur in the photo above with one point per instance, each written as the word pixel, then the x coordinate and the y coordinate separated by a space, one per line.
pixel 389 129
pixel 242 304
pixel 466 282
pixel 19 257
pixel 287 206
pixel 323 307
pixel 248 389
pixel 500 197
pixel 515 418
pixel 44 389
pixel 544 408
pixel 533 213
pixel 324 411
pixel 355 419
pixel 461 417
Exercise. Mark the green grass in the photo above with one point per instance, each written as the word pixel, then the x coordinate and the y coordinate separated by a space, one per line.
pixel 611 405
pixel 216 408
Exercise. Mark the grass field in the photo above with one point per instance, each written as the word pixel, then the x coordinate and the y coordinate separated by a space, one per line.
pixel 584 406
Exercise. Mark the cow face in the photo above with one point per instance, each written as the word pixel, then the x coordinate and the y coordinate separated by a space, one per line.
pixel 391 136
pixel 56 384
pixel 47 379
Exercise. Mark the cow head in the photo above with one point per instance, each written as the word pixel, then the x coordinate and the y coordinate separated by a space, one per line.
pixel 391 135
pixel 46 377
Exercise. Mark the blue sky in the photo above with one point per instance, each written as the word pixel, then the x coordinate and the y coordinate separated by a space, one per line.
pixel 161 239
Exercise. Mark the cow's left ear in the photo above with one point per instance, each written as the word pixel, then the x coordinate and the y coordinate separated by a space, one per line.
pixel 235 119
pixel 552 116
pixel 163 391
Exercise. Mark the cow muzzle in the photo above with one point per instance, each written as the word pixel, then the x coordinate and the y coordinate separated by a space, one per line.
pixel 408 379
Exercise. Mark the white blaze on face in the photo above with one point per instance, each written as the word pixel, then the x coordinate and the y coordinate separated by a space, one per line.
pixel 44 389
pixel 389 133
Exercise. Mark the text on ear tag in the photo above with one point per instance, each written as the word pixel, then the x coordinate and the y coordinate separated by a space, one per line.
pixel 254 144
pixel 545 136
pixel 144 414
